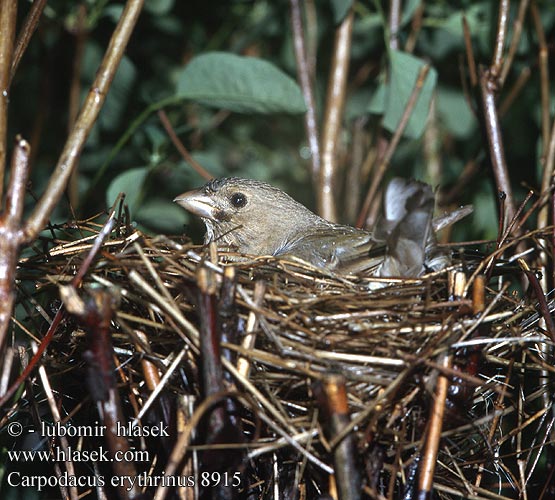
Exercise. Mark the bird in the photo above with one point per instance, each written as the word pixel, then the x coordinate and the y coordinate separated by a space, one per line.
pixel 255 218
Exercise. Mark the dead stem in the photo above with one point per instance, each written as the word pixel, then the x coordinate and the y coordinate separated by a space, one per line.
pixel 335 102
pixel 85 121
pixel 305 76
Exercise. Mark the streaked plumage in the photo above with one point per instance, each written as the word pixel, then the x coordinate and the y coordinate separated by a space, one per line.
pixel 255 218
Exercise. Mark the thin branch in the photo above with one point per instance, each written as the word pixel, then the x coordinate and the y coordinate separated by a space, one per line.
pixel 495 140
pixel 332 399
pixel 80 33
pixel 517 33
pixel 502 22
pixel 540 296
pixel 416 26
pixel 311 39
pixel 469 53
pixel 29 26
pixel 19 174
pixel 544 81
pixel 10 225
pixel 197 167
pixel 429 458
pixel 304 74
pixel 334 113
pixel 8 17
pixel 515 91
pixel 85 121
pixel 394 21
pixel 377 178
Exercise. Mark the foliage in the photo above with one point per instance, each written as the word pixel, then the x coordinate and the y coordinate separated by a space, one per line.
pixel 225 73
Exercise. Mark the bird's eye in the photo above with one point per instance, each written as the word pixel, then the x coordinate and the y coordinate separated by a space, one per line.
pixel 238 200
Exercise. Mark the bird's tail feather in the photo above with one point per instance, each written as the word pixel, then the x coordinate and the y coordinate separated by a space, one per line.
pixel 406 229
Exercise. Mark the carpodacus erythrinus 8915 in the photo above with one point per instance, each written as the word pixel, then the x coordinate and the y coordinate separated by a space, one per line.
pixel 255 218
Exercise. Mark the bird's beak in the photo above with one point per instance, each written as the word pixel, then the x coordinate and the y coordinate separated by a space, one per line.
pixel 197 203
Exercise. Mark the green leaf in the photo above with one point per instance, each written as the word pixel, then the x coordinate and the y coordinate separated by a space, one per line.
pixel 404 70
pixel 340 9
pixel 129 182
pixel 159 7
pixel 454 112
pixel 241 84
pixel 163 216
pixel 118 95
pixel 378 101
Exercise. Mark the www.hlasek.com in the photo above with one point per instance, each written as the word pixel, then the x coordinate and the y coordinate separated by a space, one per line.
pixel 70 454
pixel 143 480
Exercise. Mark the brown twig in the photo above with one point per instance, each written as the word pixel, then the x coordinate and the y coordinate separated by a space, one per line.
pixel 435 425
pixel 75 94
pixel 500 38
pixel 10 226
pixel 212 373
pixel 392 146
pixel 496 150
pixel 331 394
pixel 540 296
pixel 432 146
pixel 469 53
pixel 8 17
pixel 249 340
pixel 515 40
pixel 355 172
pixel 332 120
pixel 515 91
pixel 544 75
pixel 304 75
pixel 469 171
pixel 85 121
pixel 26 32
pixel 197 167
pixel 416 26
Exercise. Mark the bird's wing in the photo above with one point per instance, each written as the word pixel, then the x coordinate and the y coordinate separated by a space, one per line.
pixel 337 248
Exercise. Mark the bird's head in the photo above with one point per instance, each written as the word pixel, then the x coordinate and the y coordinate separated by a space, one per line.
pixel 252 216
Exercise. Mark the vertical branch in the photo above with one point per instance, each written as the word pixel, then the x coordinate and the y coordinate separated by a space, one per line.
pixel 304 75
pixel 10 226
pixel 75 93
pixel 490 83
pixel 432 146
pixel 26 32
pixel 394 21
pixel 502 22
pixel 311 39
pixel 85 121
pixel 517 33
pixel 332 120
pixel 471 61
pixel 544 89
pixel 331 396
pixel 431 446
pixel 8 15
pixel 495 141
pixel 416 26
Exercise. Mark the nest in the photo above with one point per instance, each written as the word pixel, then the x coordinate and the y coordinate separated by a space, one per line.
pixel 269 379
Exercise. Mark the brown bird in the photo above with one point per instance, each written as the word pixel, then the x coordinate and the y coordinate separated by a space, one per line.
pixel 255 218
